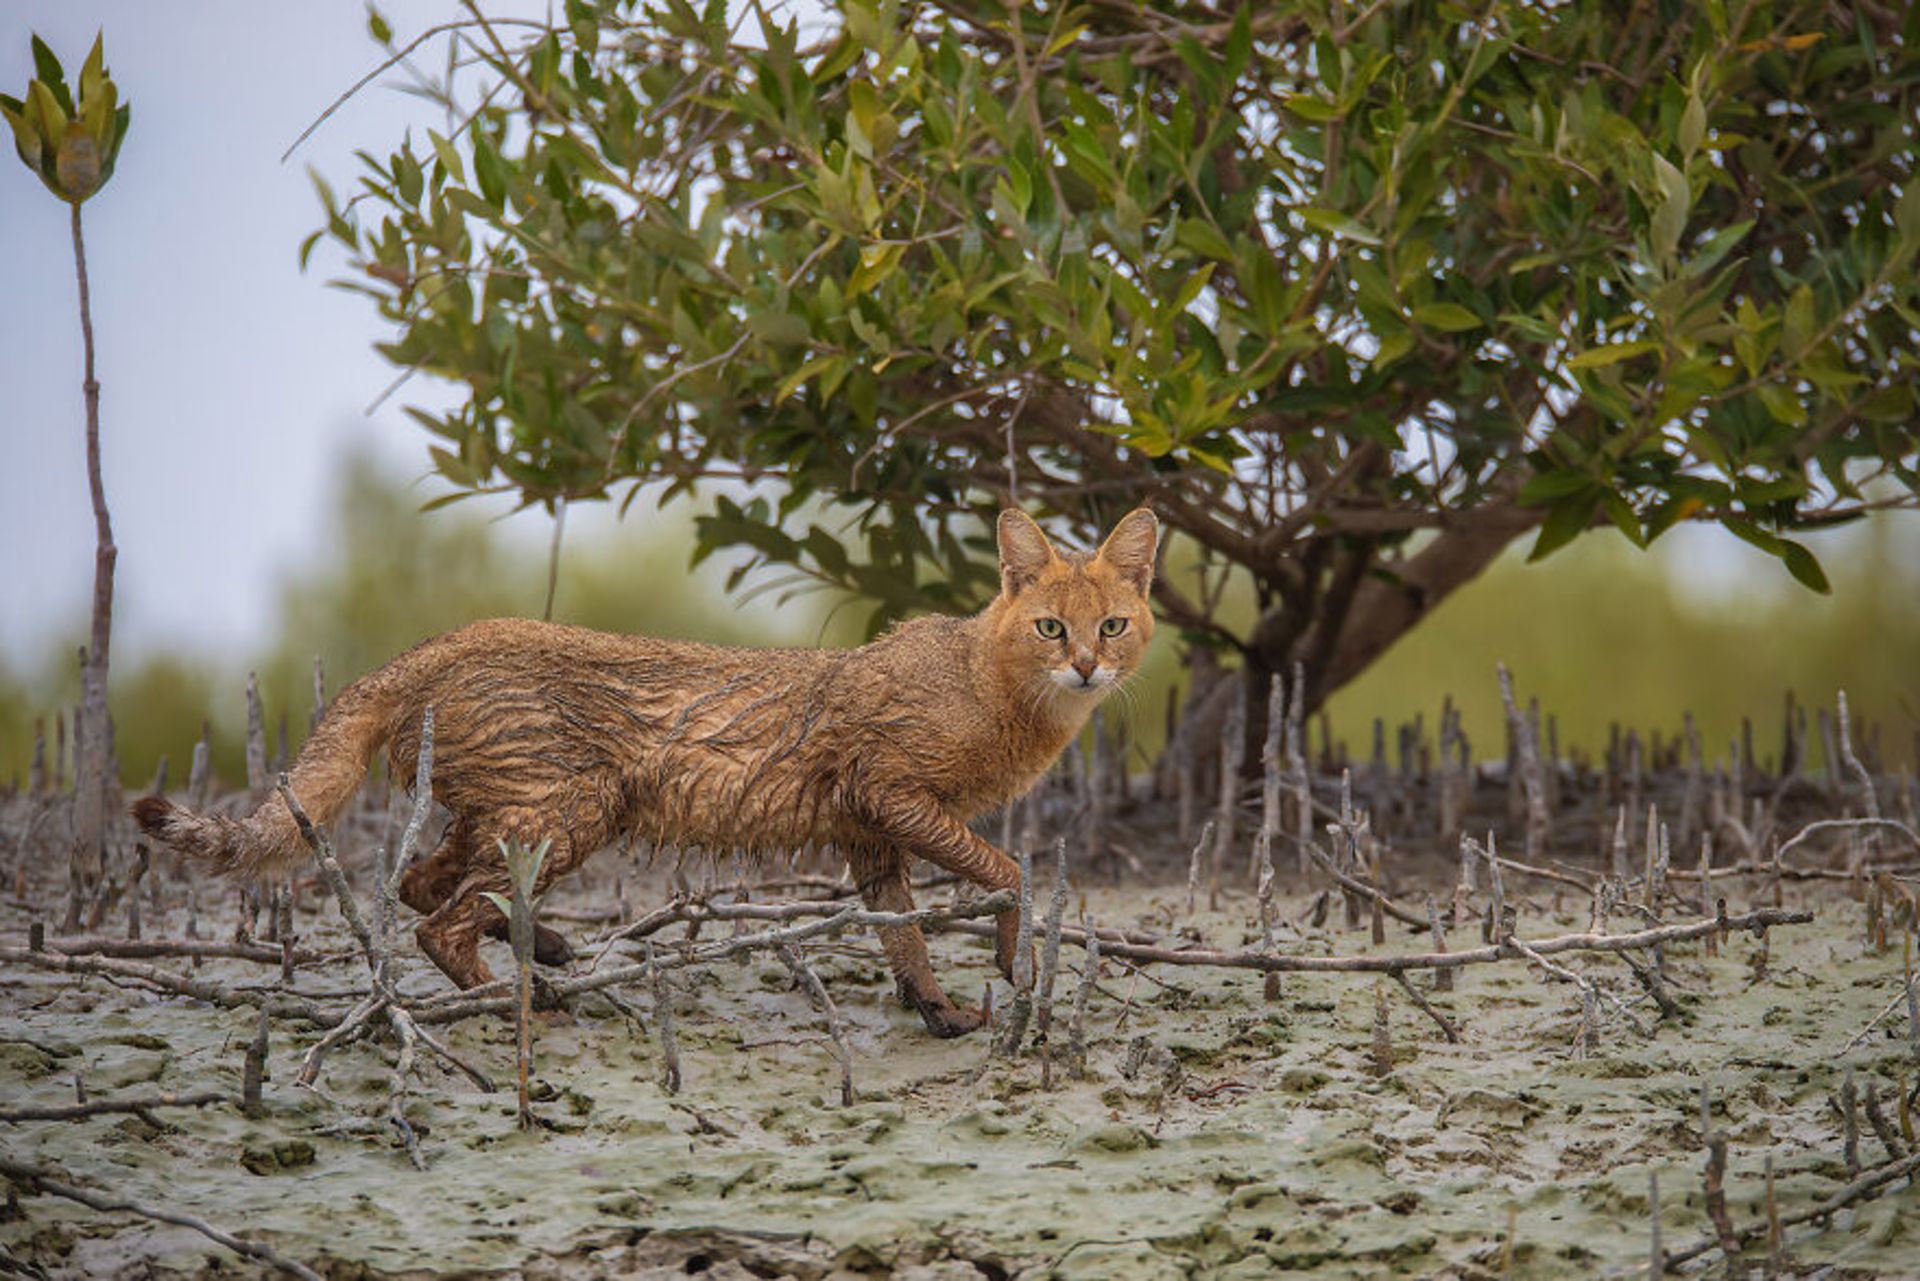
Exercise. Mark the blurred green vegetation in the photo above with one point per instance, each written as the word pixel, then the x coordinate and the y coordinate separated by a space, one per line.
pixel 1601 633
pixel 1607 633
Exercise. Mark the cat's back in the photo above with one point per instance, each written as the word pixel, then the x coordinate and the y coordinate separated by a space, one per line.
pixel 561 651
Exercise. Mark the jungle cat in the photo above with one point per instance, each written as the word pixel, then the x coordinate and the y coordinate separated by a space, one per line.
pixel 547 732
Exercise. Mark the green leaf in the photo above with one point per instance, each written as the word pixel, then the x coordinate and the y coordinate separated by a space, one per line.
pixel 1308 107
pixel 1611 354
pixel 1623 517
pixel 1718 246
pixel 51 117
pixel 1803 565
pixel 1531 327
pixel 1203 238
pixel 1190 289
pixel 94 73
pixel 449 158
pixel 1906 215
pixel 1693 125
pixel 489 171
pixel 1065 38
pixel 795 380
pixel 1670 215
pixel 1796 326
pixel 1565 521
pixel 1448 317
pixel 1800 562
pixel 1747 531
pixel 1546 487
pixel 47 69
pixel 1782 404
pixel 26 139
pixel 1392 348
pixel 779 327
pixel 1335 223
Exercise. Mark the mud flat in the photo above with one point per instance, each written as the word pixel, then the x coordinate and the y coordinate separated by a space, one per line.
pixel 1216 1133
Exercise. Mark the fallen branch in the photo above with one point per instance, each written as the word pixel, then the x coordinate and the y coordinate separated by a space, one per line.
pixel 97 1107
pixel 1447 1027
pixel 1355 885
pixel 1589 990
pixel 1859 1189
pixel 36 1179
pixel 1827 823
pixel 493 998
pixel 490 998
pixel 196 949
pixel 1755 920
pixel 694 911
pixel 279 1005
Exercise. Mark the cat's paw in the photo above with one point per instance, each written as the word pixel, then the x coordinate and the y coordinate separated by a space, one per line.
pixel 953 1020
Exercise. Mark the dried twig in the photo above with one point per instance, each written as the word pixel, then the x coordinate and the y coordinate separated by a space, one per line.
pixel 1355 886
pixel 836 1026
pixel 1883 1129
pixel 253 1070
pixel 1538 830
pixel 663 1025
pixel 1050 956
pixel 1869 796
pixel 1233 746
pixel 1828 824
pixel 1716 1190
pixel 1756 920
pixel 1089 978
pixel 1193 866
pixel 1446 1025
pixel 37 1179
pixel 1015 1031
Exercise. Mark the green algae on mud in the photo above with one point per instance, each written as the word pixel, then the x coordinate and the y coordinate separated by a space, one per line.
pixel 1217 1135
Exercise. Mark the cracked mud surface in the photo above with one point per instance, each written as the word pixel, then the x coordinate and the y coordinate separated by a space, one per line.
pixel 1218 1134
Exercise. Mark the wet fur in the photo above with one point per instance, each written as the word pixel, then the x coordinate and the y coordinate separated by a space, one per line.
pixel 885 751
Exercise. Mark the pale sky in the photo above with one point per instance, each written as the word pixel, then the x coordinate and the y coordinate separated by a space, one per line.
pixel 230 380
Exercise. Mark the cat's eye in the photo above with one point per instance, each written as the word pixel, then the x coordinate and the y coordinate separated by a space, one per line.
pixel 1050 628
pixel 1113 627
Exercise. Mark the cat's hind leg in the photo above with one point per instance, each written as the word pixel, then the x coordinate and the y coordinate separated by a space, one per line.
pixel 430 883
pixel 550 947
pixel 451 935
pixel 881 874
pixel 431 880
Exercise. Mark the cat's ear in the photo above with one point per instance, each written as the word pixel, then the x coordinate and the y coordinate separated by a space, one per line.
pixel 1024 551
pixel 1131 546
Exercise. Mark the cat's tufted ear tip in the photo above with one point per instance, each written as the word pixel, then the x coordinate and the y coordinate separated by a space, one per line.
pixel 1132 546
pixel 1024 550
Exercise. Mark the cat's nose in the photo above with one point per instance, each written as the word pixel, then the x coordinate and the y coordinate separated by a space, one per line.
pixel 1084 666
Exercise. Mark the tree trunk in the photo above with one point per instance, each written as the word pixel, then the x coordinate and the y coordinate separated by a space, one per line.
pixel 1360 613
pixel 90 773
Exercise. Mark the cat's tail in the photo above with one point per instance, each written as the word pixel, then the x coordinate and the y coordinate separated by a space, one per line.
pixel 324 777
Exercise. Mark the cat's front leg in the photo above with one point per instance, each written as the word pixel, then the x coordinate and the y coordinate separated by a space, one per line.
pixel 881 873
pixel 916 822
